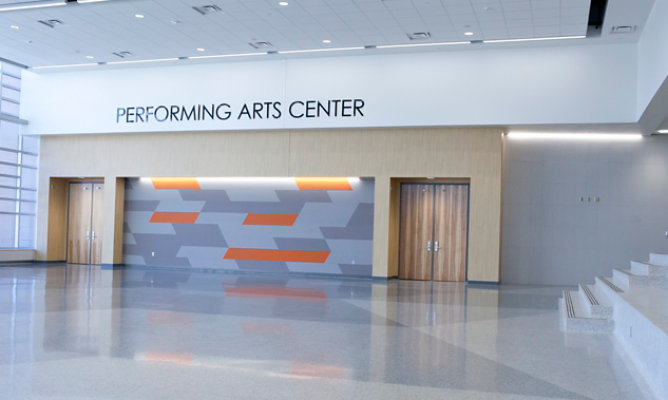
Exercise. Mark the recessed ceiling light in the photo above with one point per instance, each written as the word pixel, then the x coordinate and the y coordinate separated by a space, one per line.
pixel 207 9
pixel 283 3
pixel 51 23
pixel 262 44
pixel 14 27
pixel 90 57
pixel 623 29
pixel 139 16
pixel 418 35
pixel 468 33
pixel 200 49
pixel 123 54
pixel 327 41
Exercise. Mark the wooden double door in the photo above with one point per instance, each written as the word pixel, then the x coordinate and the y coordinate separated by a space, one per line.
pixel 433 232
pixel 85 222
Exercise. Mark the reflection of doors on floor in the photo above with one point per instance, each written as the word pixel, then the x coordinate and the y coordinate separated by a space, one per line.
pixel 433 232
pixel 85 217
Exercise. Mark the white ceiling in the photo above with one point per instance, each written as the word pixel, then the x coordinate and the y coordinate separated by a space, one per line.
pixel 171 28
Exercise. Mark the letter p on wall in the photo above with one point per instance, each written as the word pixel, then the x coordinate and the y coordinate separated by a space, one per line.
pixel 120 112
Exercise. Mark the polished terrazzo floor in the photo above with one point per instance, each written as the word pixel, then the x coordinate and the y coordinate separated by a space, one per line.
pixel 80 332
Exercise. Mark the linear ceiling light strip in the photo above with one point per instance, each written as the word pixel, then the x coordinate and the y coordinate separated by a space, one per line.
pixel 305 51
pixel 31 5
pixel 532 39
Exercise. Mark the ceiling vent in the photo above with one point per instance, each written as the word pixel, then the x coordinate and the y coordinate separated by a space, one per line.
pixel 207 9
pixel 419 35
pixel 623 29
pixel 51 23
pixel 261 45
pixel 123 54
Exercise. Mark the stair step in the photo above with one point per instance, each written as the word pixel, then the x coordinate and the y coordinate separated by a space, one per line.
pixel 607 288
pixel 574 318
pixel 622 278
pixel 647 268
pixel 594 303
pixel 658 259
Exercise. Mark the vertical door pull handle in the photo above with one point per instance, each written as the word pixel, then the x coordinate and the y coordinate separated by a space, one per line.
pixel 429 246
pixel 88 235
pixel 93 235
pixel 436 246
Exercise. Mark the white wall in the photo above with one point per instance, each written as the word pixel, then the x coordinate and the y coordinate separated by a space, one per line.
pixel 550 237
pixel 652 55
pixel 510 86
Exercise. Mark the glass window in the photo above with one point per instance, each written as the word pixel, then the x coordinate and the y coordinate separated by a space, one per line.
pixel 18 162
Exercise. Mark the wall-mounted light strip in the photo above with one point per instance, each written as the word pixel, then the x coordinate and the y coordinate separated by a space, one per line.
pixel 65 66
pixel 533 39
pixel 601 137
pixel 397 46
pixel 31 5
pixel 663 131
pixel 321 50
pixel 252 179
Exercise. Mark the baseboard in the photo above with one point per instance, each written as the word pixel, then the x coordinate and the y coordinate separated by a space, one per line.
pixel 306 275
pixel 42 262
pixel 484 284
pixel 113 266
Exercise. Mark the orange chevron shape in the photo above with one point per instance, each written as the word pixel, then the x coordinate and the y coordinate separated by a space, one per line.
pixel 270 219
pixel 278 255
pixel 173 217
pixel 276 292
pixel 323 184
pixel 175 183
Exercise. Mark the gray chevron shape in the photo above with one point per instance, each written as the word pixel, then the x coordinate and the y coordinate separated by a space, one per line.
pixel 359 226
pixel 289 201
pixel 356 269
pixel 141 205
pixel 302 244
pixel 166 247
pixel 266 266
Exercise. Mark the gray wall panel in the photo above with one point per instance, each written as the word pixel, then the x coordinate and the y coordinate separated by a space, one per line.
pixel 550 237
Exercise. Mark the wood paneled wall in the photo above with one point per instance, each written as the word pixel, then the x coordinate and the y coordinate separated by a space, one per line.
pixel 473 153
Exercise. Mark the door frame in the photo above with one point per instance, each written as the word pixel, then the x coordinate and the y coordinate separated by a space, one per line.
pixel 394 237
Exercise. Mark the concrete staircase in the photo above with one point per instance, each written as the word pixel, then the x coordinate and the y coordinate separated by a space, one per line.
pixel 590 308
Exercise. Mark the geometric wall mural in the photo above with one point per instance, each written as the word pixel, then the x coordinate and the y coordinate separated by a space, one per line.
pixel 307 225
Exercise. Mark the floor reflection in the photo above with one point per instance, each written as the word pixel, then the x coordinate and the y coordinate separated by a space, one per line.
pixel 431 338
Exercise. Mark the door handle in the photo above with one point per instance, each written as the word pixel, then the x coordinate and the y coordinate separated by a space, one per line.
pixel 436 247
pixel 93 235
pixel 429 246
pixel 88 235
